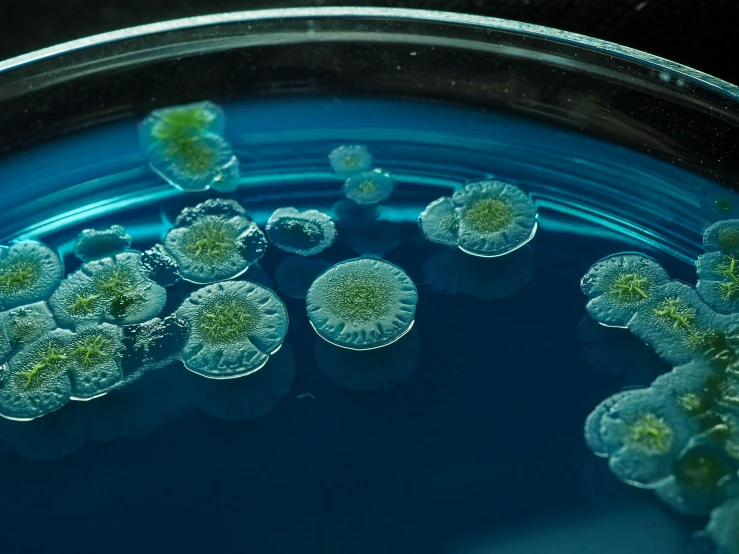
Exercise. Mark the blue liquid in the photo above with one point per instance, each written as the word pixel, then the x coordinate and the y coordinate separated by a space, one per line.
pixel 477 449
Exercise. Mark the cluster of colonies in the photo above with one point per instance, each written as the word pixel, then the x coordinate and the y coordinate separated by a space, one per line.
pixel 680 436
pixel 486 219
pixel 185 146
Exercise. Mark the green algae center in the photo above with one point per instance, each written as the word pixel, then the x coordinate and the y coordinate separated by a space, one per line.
pixel 360 299
pixel 48 359
pixel 92 351
pixel 194 154
pixel 210 241
pixel 228 321
pixel 630 287
pixel 650 433
pixel 18 275
pixel 487 215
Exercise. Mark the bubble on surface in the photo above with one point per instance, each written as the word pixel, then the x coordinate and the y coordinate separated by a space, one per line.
pixel 350 160
pixel 362 304
pixel 439 223
pixel 120 291
pixel 35 381
pixel 234 327
pixel 621 284
pixel 305 233
pixel 678 325
pixel 374 240
pixel 175 123
pixel 494 217
pixel 370 187
pixel 296 274
pixel 722 236
pixel 453 272
pixel 702 478
pixel 22 326
pixel 195 163
pixel 369 370
pixel 92 244
pixel 152 345
pixel 718 281
pixel 160 267
pixel 210 242
pixel 252 396
pixel 95 361
pixel 723 527
pixel 643 433
pixel 29 272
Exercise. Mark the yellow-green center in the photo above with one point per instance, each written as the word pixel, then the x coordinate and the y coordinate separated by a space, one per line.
pixel 630 287
pixel 18 275
pixel 228 321
pixel 650 433
pixel 358 299
pixel 487 215
pixel 210 241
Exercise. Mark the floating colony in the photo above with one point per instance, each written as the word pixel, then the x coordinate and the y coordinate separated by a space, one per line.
pixel 679 436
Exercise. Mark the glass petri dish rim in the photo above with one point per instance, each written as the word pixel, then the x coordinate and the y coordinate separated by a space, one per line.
pixel 699 78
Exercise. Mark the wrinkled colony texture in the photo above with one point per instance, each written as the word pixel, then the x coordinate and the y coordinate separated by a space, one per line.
pixel 618 285
pixel 29 272
pixel 486 219
pixel 214 241
pixel 22 326
pixel 115 290
pixel 350 160
pixel 185 146
pixel 361 304
pixel 371 187
pixel 305 233
pixel 92 244
pixel 95 361
pixel 234 328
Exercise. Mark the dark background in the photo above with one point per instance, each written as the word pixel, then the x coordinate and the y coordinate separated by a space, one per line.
pixel 698 33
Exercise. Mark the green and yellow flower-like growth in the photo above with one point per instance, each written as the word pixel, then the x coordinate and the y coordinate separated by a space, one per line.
pixel 630 287
pixel 91 351
pixel 487 215
pixel 211 240
pixel 19 275
pixel 51 358
pixel 229 321
pixel 650 433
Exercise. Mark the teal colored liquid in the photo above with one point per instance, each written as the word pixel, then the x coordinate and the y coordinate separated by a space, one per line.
pixel 477 448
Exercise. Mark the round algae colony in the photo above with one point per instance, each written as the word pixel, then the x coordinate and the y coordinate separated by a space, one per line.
pixel 305 233
pixel 185 146
pixel 29 272
pixel 486 219
pixel 362 304
pixel 619 284
pixel 234 328
pixel 371 187
pixel 350 160
pixel 680 436
pixel 214 241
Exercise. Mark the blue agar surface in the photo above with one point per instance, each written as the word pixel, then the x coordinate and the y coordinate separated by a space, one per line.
pixel 477 448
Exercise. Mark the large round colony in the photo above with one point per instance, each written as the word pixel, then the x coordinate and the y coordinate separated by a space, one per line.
pixel 362 304
pixel 185 146
pixel 234 328
pixel 214 241
pixel 486 218
pixel 680 436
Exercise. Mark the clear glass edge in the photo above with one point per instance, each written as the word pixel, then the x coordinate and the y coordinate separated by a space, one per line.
pixel 609 48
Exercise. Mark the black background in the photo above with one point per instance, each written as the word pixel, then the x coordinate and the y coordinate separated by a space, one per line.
pixel 698 33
